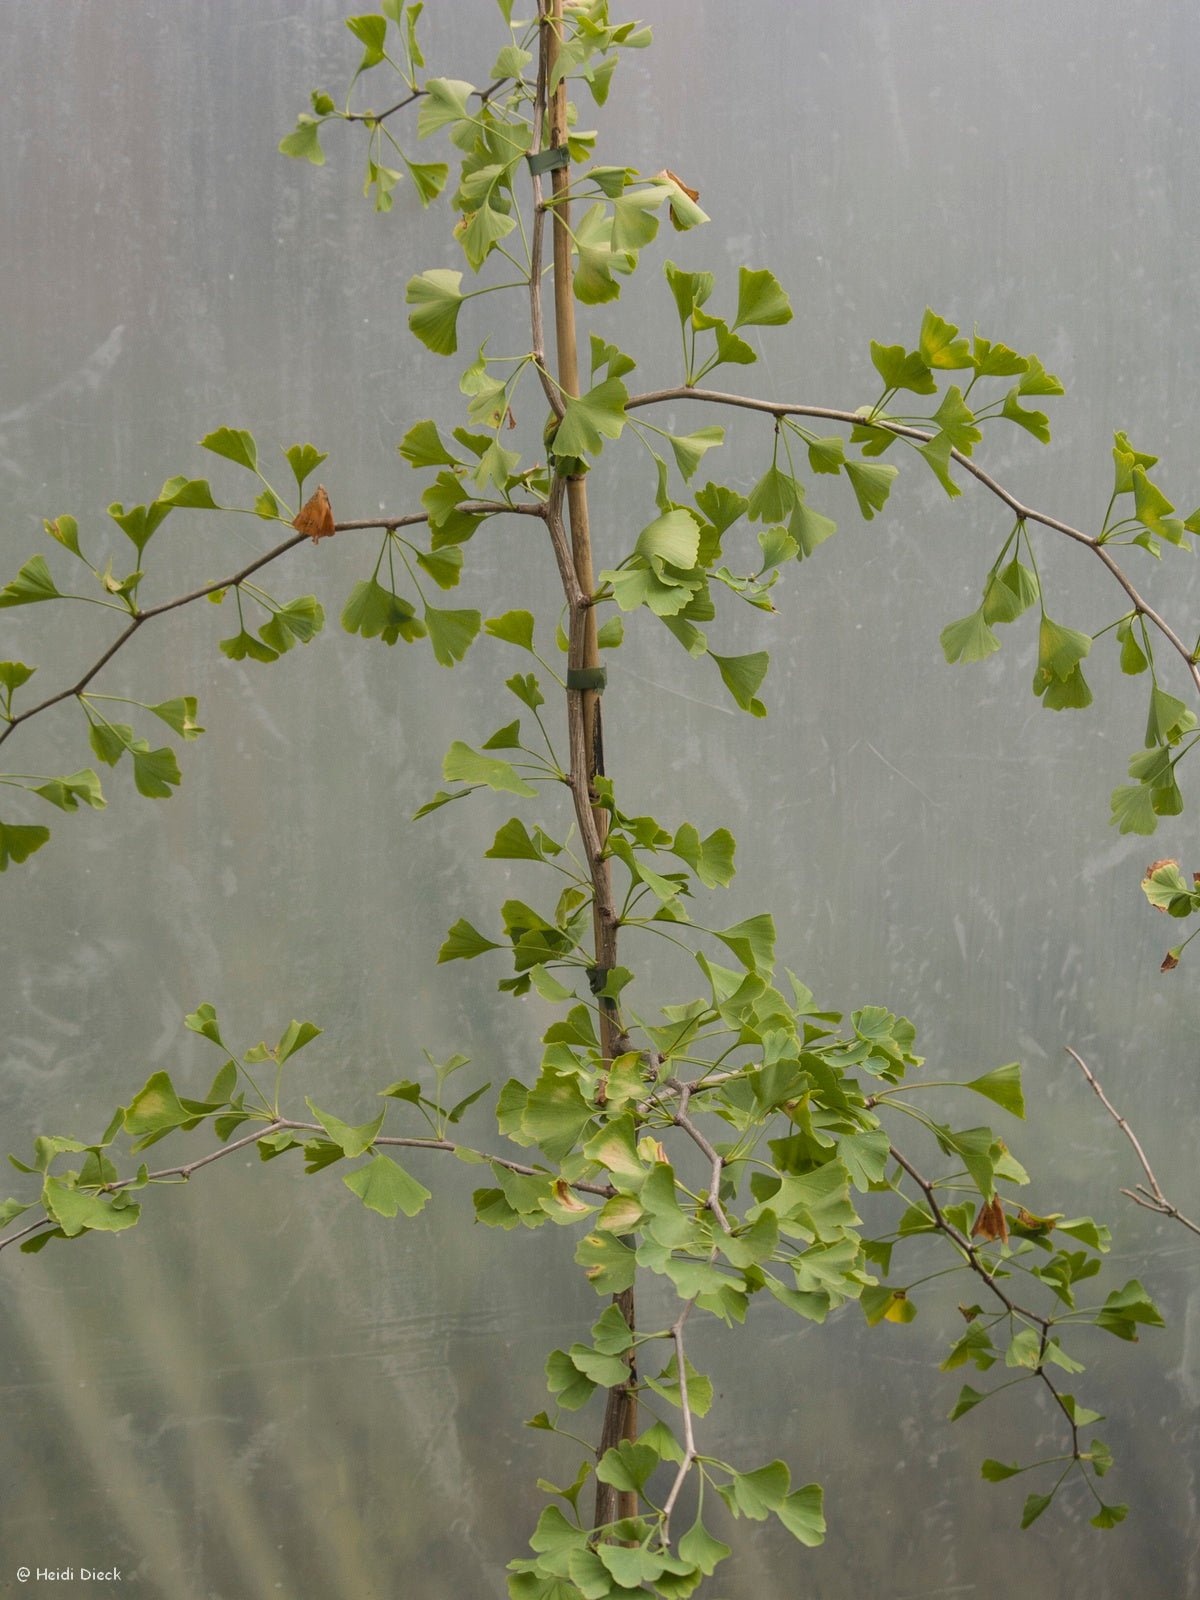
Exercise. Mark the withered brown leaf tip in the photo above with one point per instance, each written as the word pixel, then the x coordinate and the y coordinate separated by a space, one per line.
pixel 692 194
pixel 1154 867
pixel 315 517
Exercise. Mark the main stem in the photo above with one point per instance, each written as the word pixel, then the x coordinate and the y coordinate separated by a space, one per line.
pixel 583 707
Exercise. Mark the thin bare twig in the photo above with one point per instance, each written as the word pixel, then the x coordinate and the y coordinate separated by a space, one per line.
pixel 1153 1198
pixel 482 95
pixel 689 1437
pixel 716 1162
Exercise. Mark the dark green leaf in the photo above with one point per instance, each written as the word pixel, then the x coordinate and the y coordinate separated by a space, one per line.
pixel 244 646
pixel 871 484
pixel 451 633
pixel 761 299
pixel 461 764
pixel 803 1514
pixel 31 584
pixel 297 622
pixel 436 298
pixel 375 612
pixel 1002 1085
pixel 18 841
pixel 1034 1506
pixel 590 419
pixel 66 793
pixel 235 444
pixel 464 942
pixel 188 492
pixel 155 772
pixel 303 459
pixel 742 676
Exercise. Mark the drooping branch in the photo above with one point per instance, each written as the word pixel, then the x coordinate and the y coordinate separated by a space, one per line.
pixel 1153 1198
pixel 943 1224
pixel 1023 512
pixel 974 1260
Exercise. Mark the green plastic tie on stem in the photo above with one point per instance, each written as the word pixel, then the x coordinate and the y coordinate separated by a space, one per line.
pixel 548 160
pixel 587 678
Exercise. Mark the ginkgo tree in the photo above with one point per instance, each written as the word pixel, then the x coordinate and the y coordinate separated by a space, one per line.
pixel 713 1139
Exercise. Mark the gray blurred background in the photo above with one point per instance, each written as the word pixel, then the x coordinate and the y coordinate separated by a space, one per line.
pixel 264 1389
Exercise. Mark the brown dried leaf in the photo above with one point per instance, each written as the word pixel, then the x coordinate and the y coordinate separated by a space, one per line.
pixel 990 1221
pixel 315 516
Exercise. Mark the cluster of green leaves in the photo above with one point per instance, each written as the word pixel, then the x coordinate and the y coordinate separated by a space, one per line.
pixel 1011 587
pixel 567 1561
pixel 304 142
pixel 155 769
pixel 797 1130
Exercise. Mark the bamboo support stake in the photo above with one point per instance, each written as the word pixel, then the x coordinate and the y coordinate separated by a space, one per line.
pixel 620 1417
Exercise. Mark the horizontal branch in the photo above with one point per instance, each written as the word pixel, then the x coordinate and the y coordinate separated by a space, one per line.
pixel 1023 512
pixel 412 519
pixel 482 95
pixel 286 1125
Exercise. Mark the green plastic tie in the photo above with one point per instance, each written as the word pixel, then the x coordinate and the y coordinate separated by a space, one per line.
pixel 587 678
pixel 548 160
